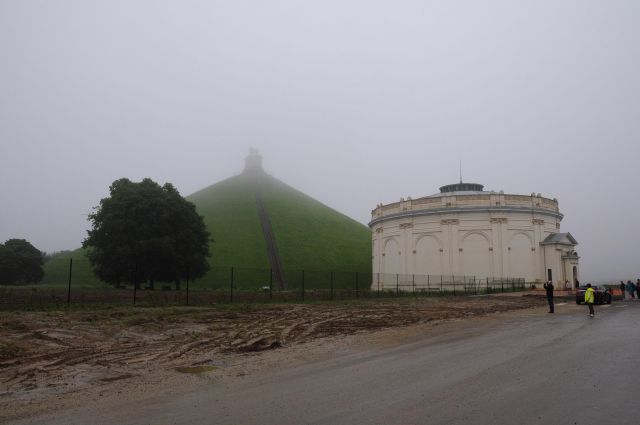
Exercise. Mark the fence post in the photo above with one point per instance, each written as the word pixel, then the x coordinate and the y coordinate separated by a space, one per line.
pixel 332 286
pixel 428 289
pixel 231 287
pixel 453 280
pixel 302 285
pixel 413 284
pixel 135 282
pixel 441 288
pixel 357 290
pixel 397 284
pixel 502 284
pixel 69 289
pixel 270 284
pixel 378 284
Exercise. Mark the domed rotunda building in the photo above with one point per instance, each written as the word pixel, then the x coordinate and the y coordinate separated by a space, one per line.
pixel 465 233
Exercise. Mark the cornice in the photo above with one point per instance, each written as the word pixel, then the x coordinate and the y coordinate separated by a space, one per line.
pixel 466 210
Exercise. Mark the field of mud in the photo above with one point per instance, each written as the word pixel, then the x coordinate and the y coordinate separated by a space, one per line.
pixel 54 354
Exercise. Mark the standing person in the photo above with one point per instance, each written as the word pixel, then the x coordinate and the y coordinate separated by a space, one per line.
pixel 623 289
pixel 549 288
pixel 589 298
pixel 631 289
pixel 638 288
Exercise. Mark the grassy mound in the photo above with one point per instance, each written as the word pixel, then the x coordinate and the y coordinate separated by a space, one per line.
pixel 312 236
pixel 229 211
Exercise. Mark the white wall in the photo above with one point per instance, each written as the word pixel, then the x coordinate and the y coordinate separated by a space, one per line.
pixel 480 244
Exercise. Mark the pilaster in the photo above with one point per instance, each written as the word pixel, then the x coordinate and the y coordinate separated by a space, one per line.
pixel 406 231
pixel 451 246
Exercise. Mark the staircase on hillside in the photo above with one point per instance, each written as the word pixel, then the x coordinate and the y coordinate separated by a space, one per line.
pixel 253 167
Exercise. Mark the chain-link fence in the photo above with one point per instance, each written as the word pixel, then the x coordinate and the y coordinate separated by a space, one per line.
pixel 244 285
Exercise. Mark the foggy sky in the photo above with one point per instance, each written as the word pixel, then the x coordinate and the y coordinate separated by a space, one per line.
pixel 352 102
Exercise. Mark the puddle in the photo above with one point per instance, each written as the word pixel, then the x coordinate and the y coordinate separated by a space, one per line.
pixel 196 369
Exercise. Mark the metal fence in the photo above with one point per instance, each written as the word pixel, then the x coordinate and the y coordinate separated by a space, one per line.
pixel 249 285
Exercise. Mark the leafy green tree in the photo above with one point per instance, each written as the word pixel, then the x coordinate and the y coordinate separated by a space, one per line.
pixel 144 232
pixel 9 266
pixel 20 262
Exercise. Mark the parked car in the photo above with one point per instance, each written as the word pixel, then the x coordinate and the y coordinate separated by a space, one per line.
pixel 602 294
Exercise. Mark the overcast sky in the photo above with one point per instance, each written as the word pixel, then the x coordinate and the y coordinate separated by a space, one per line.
pixel 352 102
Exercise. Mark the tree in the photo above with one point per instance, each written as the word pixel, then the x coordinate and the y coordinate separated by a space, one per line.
pixel 144 232
pixel 20 262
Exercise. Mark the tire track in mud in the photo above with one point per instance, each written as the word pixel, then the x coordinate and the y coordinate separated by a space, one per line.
pixel 63 352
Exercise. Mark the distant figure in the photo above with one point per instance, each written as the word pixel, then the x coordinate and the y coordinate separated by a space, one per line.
pixel 567 285
pixel 631 289
pixel 589 299
pixel 638 288
pixel 623 289
pixel 549 288
pixel 577 283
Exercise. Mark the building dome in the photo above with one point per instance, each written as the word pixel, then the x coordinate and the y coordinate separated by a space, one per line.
pixel 462 187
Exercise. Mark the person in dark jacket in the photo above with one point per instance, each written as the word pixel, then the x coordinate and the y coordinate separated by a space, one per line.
pixel 631 288
pixel 549 288
pixel 623 289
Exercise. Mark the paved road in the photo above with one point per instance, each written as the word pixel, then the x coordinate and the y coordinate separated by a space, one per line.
pixel 537 369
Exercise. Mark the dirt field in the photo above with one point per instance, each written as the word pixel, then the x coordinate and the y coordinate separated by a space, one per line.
pixel 47 358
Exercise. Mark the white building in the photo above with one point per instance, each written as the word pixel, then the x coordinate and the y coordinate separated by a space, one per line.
pixel 465 232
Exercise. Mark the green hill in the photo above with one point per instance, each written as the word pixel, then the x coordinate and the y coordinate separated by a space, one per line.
pixel 229 212
pixel 56 270
pixel 313 236
pixel 309 236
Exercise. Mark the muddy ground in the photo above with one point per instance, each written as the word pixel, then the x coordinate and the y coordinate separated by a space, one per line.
pixel 49 358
